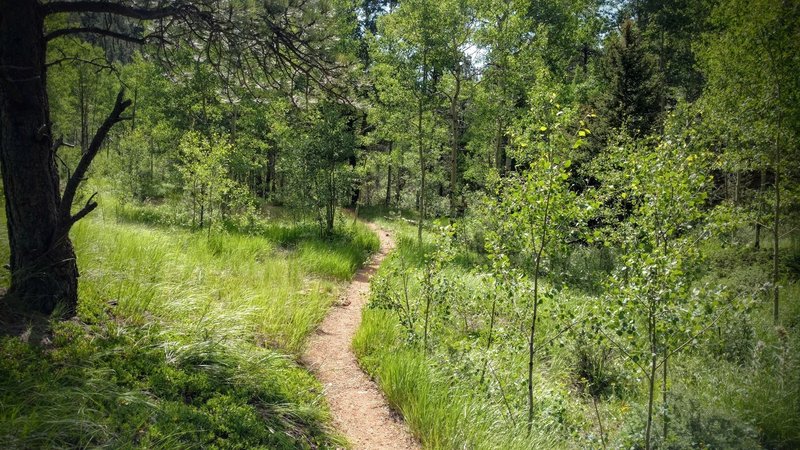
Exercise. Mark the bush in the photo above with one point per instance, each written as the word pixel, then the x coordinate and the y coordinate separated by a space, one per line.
pixel 594 368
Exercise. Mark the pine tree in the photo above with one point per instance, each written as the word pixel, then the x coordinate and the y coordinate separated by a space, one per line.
pixel 633 96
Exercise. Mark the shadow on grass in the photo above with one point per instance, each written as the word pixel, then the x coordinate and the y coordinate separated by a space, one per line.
pixel 113 385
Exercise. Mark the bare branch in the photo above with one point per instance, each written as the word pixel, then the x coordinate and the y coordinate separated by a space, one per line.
pixel 93 30
pixel 80 171
pixel 58 143
pixel 560 332
pixel 87 208
pixel 625 352
pixel 100 63
pixel 702 330
pixel 116 8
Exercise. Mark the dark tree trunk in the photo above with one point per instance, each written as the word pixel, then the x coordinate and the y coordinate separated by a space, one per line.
pixel 330 204
pixel 760 215
pixel 399 182
pixel 83 106
pixel 356 194
pixel 43 267
pixel 388 201
pixel 271 161
pixel 455 141
pixel 585 57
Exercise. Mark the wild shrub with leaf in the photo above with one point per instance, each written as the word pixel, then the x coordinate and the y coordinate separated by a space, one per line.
pixel 182 340
pixel 321 176
pixel 534 213
pixel 209 190
pixel 655 308
pixel 419 289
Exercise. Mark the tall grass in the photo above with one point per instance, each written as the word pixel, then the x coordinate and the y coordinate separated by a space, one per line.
pixel 184 339
pixel 439 411
pixel 442 405
pixel 232 284
pixel 736 386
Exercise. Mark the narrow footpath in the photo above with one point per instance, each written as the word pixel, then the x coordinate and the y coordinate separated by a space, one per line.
pixel 359 409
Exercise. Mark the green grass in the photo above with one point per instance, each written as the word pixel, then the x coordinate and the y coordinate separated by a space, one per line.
pixel 441 407
pixel 183 340
pixel 245 285
pixel 736 388
pixel 440 411
pixel 117 385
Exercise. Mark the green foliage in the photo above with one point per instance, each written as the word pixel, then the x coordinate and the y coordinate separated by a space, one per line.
pixel 532 216
pixel 82 94
pixel 655 307
pixel 439 412
pixel 696 423
pixel 633 98
pixel 207 186
pixel 587 188
pixel 324 177
pixel 575 361
pixel 121 385
pixel 184 339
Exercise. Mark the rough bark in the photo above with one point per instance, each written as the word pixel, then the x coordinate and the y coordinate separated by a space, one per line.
pixel 43 268
pixel 44 272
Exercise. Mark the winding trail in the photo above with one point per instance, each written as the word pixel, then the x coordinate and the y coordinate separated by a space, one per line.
pixel 358 407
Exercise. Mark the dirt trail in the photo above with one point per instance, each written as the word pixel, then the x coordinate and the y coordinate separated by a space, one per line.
pixel 359 410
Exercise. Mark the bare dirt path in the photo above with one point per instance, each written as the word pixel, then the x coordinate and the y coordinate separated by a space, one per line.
pixel 359 409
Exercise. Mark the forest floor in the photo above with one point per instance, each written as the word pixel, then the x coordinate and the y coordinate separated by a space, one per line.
pixel 358 407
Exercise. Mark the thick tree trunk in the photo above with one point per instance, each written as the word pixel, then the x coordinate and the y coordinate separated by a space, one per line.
pixel 43 267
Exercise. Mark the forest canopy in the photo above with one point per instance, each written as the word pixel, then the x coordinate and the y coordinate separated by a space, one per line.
pixel 596 201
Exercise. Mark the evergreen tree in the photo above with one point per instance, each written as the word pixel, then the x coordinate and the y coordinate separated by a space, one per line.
pixel 633 99
pixel 668 30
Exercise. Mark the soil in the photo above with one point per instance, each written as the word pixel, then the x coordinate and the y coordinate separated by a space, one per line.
pixel 359 410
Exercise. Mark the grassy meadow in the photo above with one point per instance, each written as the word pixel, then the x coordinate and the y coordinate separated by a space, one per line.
pixel 184 339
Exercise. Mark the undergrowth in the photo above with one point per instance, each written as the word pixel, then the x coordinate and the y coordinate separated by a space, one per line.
pixel 736 386
pixel 184 339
